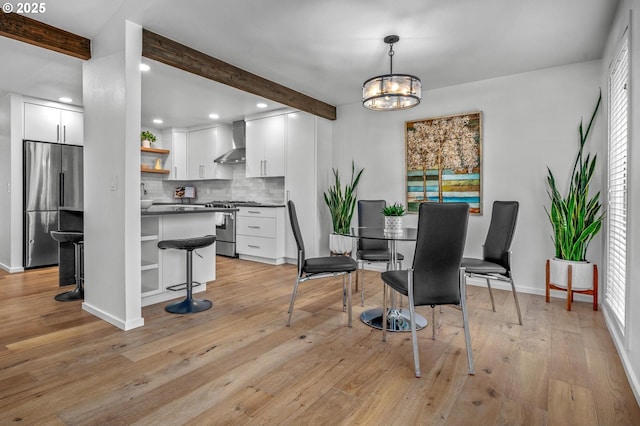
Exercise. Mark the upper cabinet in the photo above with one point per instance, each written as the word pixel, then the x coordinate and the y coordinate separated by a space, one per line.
pixel 50 124
pixel 204 146
pixel 265 142
pixel 177 160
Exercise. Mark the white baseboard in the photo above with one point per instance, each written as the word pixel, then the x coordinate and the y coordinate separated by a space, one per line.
pixel 122 325
pixel 277 261
pixel 11 270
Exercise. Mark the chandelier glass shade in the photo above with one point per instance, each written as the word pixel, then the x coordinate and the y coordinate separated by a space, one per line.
pixel 390 92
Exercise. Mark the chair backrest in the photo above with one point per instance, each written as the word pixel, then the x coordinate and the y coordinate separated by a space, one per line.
pixel 442 231
pixel 370 215
pixel 504 216
pixel 295 227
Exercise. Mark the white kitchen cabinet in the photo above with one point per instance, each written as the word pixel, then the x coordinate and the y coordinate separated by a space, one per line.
pixel 260 234
pixel 265 142
pixel 300 182
pixel 51 124
pixel 176 141
pixel 204 146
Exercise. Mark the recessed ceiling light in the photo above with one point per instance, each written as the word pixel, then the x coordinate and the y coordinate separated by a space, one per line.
pixel 214 116
pixel 261 105
pixel 157 121
pixel 144 67
pixel 65 100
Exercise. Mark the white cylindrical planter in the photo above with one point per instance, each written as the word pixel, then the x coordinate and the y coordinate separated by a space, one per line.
pixel 581 273
pixel 340 244
pixel 393 224
pixel 146 143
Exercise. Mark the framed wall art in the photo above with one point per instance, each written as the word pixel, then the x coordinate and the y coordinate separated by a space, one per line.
pixel 443 156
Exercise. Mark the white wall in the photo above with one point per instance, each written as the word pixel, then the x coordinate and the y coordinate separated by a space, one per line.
pixel 111 97
pixel 628 341
pixel 5 182
pixel 11 182
pixel 530 121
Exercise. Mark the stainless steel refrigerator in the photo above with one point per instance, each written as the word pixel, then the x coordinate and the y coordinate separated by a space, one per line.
pixel 52 179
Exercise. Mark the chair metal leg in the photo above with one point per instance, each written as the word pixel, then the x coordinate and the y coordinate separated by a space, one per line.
pixel 414 333
pixel 433 322
pixel 515 298
pixel 361 272
pixel 399 267
pixel 360 280
pixel 293 298
pixel 344 293
pixel 493 304
pixel 465 321
pixel 349 301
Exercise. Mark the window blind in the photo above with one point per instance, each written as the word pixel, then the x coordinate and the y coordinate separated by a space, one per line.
pixel 617 184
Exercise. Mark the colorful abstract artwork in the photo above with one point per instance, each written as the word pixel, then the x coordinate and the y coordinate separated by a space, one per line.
pixel 443 158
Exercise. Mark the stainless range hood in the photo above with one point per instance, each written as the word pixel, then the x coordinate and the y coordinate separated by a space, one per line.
pixel 238 154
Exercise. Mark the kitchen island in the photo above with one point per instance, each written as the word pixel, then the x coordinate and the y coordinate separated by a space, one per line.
pixel 162 269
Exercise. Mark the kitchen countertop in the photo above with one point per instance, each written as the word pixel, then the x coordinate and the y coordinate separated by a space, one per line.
pixel 161 209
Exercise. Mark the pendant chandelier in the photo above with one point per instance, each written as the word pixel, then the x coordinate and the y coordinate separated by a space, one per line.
pixel 390 92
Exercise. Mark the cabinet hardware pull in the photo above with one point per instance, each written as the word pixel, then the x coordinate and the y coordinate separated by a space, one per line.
pixel 253 227
pixel 57 133
pixel 255 247
pixel 253 211
pixel 64 133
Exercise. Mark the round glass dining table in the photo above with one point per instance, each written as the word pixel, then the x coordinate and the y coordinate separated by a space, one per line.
pixel 398 319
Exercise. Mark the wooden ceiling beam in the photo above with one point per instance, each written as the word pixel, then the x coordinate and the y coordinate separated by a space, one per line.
pixel 27 30
pixel 167 51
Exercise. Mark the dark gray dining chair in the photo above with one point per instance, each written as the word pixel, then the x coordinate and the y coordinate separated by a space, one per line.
pixel 319 267
pixel 369 250
pixel 436 277
pixel 496 251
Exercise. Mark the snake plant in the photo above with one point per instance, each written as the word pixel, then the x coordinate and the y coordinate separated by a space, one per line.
pixel 576 218
pixel 342 202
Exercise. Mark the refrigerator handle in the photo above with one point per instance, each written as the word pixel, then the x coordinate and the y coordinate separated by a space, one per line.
pixel 61 189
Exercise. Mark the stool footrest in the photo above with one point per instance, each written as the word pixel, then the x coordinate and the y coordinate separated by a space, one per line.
pixel 182 286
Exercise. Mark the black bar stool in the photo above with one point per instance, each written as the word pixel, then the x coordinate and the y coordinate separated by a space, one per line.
pixel 189 305
pixel 76 238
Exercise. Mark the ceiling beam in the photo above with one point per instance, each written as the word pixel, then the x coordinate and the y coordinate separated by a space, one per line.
pixel 30 31
pixel 167 51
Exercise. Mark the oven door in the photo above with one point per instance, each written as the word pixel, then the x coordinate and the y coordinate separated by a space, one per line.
pixel 226 236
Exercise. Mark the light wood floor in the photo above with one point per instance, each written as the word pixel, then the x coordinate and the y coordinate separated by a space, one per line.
pixel 239 364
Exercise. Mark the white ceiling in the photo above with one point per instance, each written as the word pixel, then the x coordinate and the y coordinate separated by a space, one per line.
pixel 325 49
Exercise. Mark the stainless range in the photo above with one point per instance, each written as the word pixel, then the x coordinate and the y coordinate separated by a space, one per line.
pixel 226 230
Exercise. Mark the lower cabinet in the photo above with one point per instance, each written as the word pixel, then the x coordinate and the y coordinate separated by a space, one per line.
pixel 164 268
pixel 260 234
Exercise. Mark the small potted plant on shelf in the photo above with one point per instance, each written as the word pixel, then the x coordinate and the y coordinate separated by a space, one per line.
pixel 393 217
pixel 575 218
pixel 147 138
pixel 342 204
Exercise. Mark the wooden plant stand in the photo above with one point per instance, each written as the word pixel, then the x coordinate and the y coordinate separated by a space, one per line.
pixel 592 291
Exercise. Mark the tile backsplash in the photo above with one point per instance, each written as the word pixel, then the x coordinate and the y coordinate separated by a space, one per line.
pixel 240 188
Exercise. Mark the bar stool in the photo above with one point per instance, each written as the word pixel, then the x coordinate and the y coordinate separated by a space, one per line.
pixel 76 238
pixel 189 305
